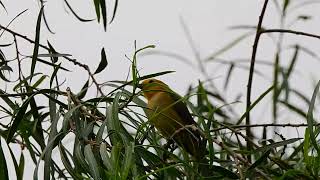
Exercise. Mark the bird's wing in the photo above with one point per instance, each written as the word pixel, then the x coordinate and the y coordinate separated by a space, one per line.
pixel 181 108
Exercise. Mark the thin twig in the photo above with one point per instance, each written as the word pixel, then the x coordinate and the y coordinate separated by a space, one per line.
pixel 74 61
pixel 290 32
pixel 83 108
pixel 18 58
pixel 262 125
pixel 249 86
pixel 238 157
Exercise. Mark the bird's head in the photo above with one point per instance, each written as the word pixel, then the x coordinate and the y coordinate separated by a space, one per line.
pixel 151 87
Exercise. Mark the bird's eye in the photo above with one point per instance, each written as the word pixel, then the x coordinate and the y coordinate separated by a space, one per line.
pixel 151 81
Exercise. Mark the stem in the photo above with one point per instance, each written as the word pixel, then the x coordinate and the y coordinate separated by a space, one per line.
pixel 74 61
pixel 249 86
pixel 290 32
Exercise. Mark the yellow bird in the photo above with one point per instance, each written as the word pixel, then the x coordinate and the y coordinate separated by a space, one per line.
pixel 168 113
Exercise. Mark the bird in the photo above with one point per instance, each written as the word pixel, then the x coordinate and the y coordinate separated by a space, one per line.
pixel 171 117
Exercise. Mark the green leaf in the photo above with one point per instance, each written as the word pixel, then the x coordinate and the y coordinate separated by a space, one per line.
pixel 79 158
pixel 100 132
pixel 3 165
pixel 295 174
pixel 104 13
pixel 310 119
pixel 115 158
pixel 87 130
pixel 141 78
pixel 67 117
pixel 259 161
pixel 75 14
pixel 2 57
pixel 114 10
pixel 52 51
pixel 3 6
pixel 107 162
pixel 128 160
pixel 37 126
pixel 89 156
pixel 275 145
pixel 113 122
pixel 103 63
pixel 276 90
pixel 24 81
pixel 52 136
pixel 36 44
pixel 6 68
pixel 52 64
pixel 254 104
pixel 97 8
pixel 49 147
pixel 18 118
pixel 21 167
pixel 285 6
pixel 7 100
pixel 54 73
pixel 228 46
pixel 84 90
pixel 67 164
pixel 230 70
pixel 224 172
pixel 294 109
pixel 39 81
pixel 293 61
pixel 3 77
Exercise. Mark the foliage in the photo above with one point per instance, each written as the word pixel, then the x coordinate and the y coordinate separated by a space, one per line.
pixel 111 137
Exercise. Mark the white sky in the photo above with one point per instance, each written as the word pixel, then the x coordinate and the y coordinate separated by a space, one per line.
pixel 158 22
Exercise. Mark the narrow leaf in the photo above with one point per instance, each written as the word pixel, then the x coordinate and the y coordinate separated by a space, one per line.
pixel 84 90
pixel 36 44
pixel 114 10
pixel 3 165
pixel 276 144
pixel 89 156
pixel 228 46
pixel 75 14
pixel 103 63
pixel 97 8
pixel 104 13
pixel 254 104
pixel 18 118
pixel 52 51
pixel 310 119
pixel 230 70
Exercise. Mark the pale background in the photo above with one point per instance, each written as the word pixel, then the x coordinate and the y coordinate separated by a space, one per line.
pixel 159 23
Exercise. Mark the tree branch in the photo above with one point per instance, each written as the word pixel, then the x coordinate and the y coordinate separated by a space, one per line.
pixel 249 86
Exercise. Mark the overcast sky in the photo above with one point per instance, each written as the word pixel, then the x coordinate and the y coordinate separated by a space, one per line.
pixel 159 23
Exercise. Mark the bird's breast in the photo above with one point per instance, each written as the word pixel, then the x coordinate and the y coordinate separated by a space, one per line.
pixel 162 115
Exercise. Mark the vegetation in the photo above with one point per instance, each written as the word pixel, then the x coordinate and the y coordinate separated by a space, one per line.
pixel 111 137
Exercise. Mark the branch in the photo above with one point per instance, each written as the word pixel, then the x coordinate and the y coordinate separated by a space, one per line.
pixel 253 59
pixel 74 61
pixel 262 125
pixel 238 157
pixel 289 32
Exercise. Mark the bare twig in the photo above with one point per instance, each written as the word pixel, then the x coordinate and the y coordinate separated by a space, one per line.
pixel 18 58
pixel 238 157
pixel 262 125
pixel 290 32
pixel 83 109
pixel 249 86
pixel 74 61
